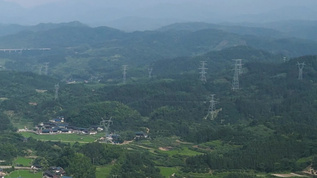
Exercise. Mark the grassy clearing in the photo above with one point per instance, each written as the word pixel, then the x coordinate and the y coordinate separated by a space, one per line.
pixel 95 85
pixel 21 124
pixel 203 175
pixel 168 171
pixel 218 145
pixel 18 121
pixel 23 161
pixel 69 138
pixel 184 151
pixel 24 174
pixel 102 172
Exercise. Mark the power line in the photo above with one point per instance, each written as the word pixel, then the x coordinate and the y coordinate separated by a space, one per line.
pixel 150 69
pixel 300 70
pixel 285 59
pixel 46 68
pixel 237 72
pixel 124 73
pixel 56 91
pixel 106 125
pixel 40 70
pixel 212 107
pixel 203 71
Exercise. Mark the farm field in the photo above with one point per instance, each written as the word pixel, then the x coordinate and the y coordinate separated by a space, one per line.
pixel 168 171
pixel 24 174
pixel 183 151
pixel 67 138
pixel 103 171
pixel 21 161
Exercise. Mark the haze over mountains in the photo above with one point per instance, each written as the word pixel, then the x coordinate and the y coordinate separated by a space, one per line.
pixel 192 88
pixel 150 14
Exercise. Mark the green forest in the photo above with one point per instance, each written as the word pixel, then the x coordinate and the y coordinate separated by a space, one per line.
pixel 268 125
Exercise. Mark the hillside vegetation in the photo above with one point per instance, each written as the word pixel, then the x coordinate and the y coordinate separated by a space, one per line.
pixel 267 125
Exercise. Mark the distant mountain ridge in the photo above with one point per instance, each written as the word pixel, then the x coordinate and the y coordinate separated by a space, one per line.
pixel 232 28
pixel 171 41
pixel 305 29
pixel 149 15
pixel 9 29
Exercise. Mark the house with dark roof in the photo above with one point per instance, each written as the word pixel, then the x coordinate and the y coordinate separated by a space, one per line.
pixel 2 173
pixel 139 135
pixel 54 172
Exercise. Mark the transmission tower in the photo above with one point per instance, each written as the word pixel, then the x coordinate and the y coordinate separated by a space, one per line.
pixel 284 59
pixel 212 106
pixel 46 68
pixel 106 125
pixel 300 70
pixel 237 72
pixel 40 70
pixel 239 64
pixel 150 69
pixel 203 71
pixel 124 73
pixel 56 91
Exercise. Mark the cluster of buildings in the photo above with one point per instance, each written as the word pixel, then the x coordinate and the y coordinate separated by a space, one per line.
pixel 52 172
pixel 58 126
pixel 55 172
pixel 2 173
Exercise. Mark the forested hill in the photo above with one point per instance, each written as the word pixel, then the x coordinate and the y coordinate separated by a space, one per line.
pixel 9 29
pixel 79 52
pixel 93 66
pixel 232 28
pixel 267 92
pixel 60 37
pixel 216 61
pixel 266 123
pixel 272 111
pixel 272 106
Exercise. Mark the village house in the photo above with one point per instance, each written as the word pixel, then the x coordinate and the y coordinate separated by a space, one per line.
pixel 2 173
pixel 140 135
pixel 54 126
pixel 57 120
pixel 55 172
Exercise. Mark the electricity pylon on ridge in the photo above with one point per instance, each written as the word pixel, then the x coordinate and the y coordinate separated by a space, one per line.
pixel 106 125
pixel 212 107
pixel 56 91
pixel 300 70
pixel 237 72
pixel 284 59
pixel 150 69
pixel 124 73
pixel 40 70
pixel 203 71
pixel 46 68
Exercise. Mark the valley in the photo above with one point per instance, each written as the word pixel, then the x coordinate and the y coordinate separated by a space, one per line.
pixel 204 113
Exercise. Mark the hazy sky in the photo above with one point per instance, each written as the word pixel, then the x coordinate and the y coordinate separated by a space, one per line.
pixel 239 4
pixel 32 3
pixel 152 13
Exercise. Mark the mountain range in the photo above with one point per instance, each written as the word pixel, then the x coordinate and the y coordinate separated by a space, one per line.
pixel 263 125
pixel 149 15
pixel 186 38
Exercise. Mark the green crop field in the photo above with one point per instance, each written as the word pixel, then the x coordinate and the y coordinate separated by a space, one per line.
pixel 184 151
pixel 70 138
pixel 104 171
pixel 24 174
pixel 23 161
pixel 168 171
